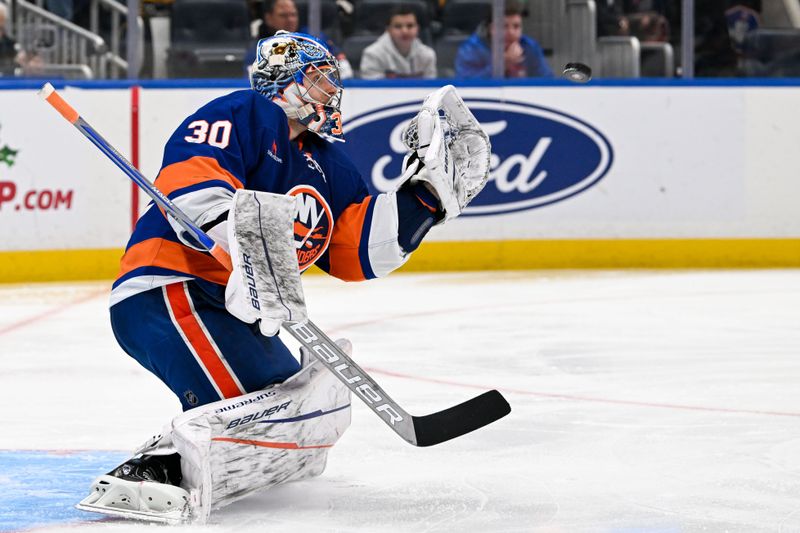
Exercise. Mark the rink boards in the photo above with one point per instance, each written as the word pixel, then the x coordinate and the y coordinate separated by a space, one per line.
pixel 582 177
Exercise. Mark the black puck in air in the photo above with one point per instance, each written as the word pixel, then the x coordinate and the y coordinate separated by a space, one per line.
pixel 577 72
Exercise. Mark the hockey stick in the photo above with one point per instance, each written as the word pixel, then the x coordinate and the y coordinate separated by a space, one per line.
pixel 417 430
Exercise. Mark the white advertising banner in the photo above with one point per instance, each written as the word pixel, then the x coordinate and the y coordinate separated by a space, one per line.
pixel 616 162
pixel 57 191
pixel 568 162
pixel 583 163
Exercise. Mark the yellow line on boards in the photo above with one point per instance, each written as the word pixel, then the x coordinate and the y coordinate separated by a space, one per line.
pixel 608 253
pixel 59 265
pixel 440 256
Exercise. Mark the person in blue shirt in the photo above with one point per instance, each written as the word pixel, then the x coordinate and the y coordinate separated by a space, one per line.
pixel 523 56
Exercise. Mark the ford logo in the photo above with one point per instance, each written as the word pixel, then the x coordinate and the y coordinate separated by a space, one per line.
pixel 539 155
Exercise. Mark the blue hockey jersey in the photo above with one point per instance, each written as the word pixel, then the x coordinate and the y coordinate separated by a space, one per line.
pixel 241 140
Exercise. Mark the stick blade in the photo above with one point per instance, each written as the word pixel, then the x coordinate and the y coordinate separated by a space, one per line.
pixel 460 419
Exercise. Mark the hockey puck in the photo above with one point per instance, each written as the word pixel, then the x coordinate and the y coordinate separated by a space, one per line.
pixel 577 72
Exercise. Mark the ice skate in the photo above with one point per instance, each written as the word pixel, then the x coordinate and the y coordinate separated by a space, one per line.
pixel 142 488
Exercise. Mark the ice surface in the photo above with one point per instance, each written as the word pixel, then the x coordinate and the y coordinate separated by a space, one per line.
pixel 642 401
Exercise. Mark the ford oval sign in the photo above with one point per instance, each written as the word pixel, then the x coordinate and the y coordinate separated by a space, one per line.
pixel 539 155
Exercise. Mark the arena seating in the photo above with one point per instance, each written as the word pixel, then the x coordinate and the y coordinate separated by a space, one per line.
pixel 564 28
pixel 329 15
pixel 463 16
pixel 209 38
pixel 446 50
pixel 353 48
pixel 657 60
pixel 772 52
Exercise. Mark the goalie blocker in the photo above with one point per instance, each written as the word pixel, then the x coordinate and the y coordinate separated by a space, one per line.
pixel 213 455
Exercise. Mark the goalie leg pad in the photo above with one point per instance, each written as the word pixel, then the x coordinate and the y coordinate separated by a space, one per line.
pixel 232 448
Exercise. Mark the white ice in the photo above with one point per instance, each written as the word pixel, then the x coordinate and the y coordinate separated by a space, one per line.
pixel 641 401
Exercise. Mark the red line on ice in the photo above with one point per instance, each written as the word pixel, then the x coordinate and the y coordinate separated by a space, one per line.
pixel 582 398
pixel 573 397
pixel 50 312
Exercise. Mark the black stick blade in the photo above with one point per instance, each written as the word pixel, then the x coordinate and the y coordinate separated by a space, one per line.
pixel 460 419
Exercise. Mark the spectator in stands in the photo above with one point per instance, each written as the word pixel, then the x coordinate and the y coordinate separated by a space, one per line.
pixel 637 18
pixel 523 56
pixel 31 63
pixel 279 15
pixel 283 15
pixel 649 27
pixel 399 53
pixel 715 54
pixel 611 19
pixel 743 16
pixel 8 46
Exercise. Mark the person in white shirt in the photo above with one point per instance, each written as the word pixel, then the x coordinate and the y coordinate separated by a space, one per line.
pixel 399 53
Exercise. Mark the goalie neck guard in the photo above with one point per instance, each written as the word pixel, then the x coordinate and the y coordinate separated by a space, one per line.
pixel 297 72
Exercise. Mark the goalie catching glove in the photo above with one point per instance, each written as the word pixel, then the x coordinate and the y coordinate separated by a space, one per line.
pixel 449 151
pixel 265 282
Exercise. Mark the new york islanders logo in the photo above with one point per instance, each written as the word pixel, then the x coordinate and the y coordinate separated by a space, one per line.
pixel 313 225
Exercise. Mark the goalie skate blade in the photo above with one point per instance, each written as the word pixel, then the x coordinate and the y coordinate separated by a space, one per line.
pixel 175 519
pixel 458 420
pixel 137 500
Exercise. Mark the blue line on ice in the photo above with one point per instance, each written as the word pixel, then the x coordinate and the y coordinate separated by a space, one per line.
pixel 40 487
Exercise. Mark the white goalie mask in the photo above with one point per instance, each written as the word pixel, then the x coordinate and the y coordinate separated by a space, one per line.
pixel 297 72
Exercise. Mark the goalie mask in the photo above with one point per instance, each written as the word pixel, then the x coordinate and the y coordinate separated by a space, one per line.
pixel 297 72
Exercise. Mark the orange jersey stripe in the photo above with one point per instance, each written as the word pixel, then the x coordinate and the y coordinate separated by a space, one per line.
pixel 343 252
pixel 194 334
pixel 263 444
pixel 174 256
pixel 191 172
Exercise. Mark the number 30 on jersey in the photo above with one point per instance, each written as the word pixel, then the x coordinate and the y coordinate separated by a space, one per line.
pixel 217 134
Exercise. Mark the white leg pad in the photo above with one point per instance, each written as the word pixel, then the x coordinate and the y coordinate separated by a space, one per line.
pixel 232 448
